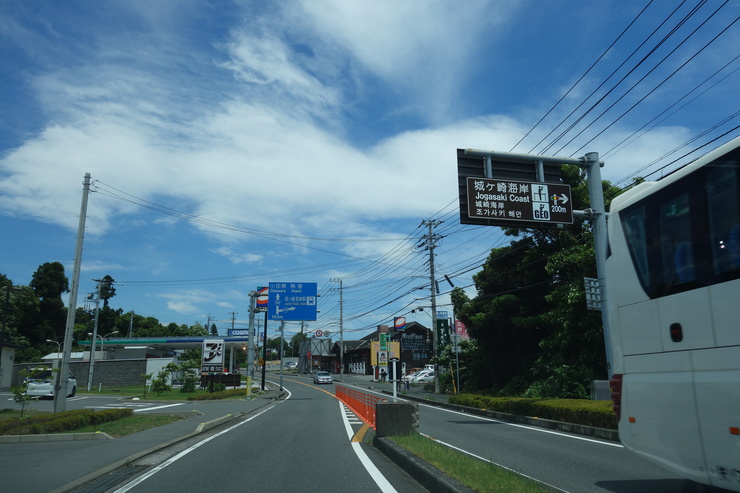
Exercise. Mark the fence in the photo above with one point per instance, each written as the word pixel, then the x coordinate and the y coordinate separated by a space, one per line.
pixel 361 404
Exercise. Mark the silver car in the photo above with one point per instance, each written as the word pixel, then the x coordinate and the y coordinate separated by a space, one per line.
pixel 41 384
pixel 322 377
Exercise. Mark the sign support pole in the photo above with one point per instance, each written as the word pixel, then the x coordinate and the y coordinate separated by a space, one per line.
pixel 598 221
pixel 282 349
pixel 250 342
pixel 264 354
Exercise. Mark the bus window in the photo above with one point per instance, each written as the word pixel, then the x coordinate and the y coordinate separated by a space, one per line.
pixel 724 219
pixel 677 252
pixel 635 231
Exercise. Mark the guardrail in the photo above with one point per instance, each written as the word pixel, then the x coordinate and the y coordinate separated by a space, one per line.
pixel 361 403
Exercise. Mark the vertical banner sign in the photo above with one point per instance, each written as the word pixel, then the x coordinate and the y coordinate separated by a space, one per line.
pixel 383 353
pixel 443 331
pixel 213 356
pixel 262 297
pixel 461 330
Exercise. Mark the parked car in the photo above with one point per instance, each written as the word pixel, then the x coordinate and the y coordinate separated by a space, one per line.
pixel 322 377
pixel 423 377
pixel 41 384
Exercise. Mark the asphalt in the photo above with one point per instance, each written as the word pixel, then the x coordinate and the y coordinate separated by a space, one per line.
pixel 96 454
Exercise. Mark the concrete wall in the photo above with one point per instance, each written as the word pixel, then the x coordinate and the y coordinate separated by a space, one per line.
pixel 110 373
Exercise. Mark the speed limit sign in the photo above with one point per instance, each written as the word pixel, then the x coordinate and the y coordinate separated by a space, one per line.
pixel 319 333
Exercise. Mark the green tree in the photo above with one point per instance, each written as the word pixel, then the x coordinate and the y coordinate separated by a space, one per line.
pixel 107 291
pixel 295 342
pixel 273 347
pixel 529 318
pixel 49 283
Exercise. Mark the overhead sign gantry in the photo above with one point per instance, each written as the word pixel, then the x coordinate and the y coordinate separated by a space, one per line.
pixel 512 190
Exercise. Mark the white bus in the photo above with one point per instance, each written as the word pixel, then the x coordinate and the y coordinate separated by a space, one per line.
pixel 673 300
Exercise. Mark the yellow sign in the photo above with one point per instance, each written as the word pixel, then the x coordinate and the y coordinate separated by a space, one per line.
pixel 394 351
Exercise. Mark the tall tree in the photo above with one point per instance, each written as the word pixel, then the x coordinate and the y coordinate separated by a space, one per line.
pixel 49 283
pixel 107 291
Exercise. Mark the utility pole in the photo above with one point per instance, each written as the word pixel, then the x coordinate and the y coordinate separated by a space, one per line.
pixel 341 330
pixel 60 388
pixel 231 349
pixel 250 343
pixel 91 367
pixel 131 325
pixel 431 242
pixel 282 349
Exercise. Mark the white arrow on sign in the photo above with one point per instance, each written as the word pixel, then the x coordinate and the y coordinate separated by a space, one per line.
pixel 563 198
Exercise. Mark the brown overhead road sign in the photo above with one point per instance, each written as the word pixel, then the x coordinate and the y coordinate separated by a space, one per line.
pixel 509 200
pixel 515 190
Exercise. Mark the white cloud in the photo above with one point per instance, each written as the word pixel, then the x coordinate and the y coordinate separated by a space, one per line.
pixel 238 257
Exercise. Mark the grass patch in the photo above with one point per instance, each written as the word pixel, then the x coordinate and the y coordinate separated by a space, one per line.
pixel 479 475
pixel 130 424
pixel 117 428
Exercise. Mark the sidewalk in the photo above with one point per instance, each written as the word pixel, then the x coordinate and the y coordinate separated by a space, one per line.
pixel 69 464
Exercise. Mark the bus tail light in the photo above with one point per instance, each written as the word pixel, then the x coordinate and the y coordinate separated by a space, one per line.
pixel 615 388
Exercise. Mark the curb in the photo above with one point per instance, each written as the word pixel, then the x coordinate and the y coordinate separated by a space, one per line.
pixel 424 473
pixel 55 437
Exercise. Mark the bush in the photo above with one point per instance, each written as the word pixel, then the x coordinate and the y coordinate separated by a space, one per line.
pixel 61 422
pixel 189 380
pixel 579 411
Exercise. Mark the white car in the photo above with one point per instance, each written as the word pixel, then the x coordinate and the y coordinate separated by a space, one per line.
pixel 428 377
pixel 322 377
pixel 423 376
pixel 42 384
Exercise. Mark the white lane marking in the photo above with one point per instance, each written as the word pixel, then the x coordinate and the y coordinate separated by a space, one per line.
pixel 159 407
pixel 185 452
pixel 528 427
pixel 384 485
pixel 508 423
pixel 494 463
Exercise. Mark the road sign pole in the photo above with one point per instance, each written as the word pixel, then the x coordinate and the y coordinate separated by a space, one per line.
pixel 598 222
pixel 264 354
pixel 250 342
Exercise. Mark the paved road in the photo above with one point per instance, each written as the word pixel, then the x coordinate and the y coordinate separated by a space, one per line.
pixel 563 461
pixel 305 441
pixel 302 442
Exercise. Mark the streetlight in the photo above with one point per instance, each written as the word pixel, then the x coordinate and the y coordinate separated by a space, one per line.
pixel 92 360
pixel 59 345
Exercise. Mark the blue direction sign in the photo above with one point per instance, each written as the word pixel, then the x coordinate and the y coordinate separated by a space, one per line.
pixel 292 301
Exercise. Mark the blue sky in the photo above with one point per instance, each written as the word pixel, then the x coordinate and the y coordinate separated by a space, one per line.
pixel 233 144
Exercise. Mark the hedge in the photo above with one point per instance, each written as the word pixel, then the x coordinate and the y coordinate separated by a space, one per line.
pixel 61 422
pixel 579 411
